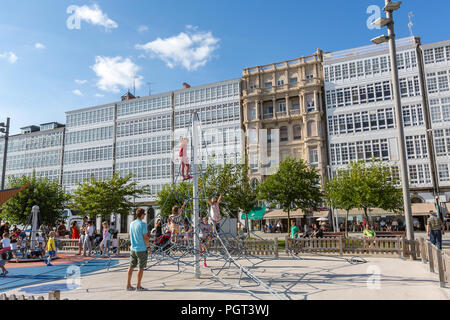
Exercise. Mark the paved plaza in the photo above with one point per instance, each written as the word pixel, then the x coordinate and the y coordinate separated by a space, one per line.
pixel 311 277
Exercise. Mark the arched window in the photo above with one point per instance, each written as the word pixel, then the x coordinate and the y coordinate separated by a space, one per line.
pixel 297 132
pixel 284 135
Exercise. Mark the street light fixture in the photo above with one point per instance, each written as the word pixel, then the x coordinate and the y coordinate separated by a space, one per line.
pixel 381 22
pixel 380 39
pixel 392 6
pixel 389 22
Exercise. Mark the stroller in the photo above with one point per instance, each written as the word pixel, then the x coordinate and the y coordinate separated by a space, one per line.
pixel 162 243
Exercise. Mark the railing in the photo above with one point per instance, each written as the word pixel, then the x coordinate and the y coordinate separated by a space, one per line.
pixel 437 260
pixel 389 246
pixel 53 295
pixel 268 116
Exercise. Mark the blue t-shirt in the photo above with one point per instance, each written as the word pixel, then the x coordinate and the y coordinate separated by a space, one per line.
pixel 137 230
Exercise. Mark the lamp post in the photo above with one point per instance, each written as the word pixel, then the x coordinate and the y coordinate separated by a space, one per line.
pixel 389 22
pixel 4 128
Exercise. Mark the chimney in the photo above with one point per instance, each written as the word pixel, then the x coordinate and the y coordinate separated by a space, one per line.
pixel 186 85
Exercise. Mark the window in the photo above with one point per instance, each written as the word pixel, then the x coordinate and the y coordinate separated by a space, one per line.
pixel 284 136
pixel 280 83
pixel 313 157
pixel 297 132
pixel 444 175
pixel 295 80
pixel 268 84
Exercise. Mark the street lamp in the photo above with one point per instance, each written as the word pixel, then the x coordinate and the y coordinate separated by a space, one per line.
pixel 4 128
pixel 389 22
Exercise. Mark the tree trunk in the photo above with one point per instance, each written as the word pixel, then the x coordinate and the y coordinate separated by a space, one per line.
pixel 346 224
pixel 289 221
pixel 246 223
pixel 366 216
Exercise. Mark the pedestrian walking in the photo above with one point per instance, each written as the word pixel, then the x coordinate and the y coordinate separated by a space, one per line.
pixel 51 248
pixel 88 238
pixel 435 230
pixel 294 230
pixel 140 246
pixel 106 241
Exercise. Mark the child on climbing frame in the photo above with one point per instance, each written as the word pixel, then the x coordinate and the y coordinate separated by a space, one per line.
pixel 176 219
pixel 215 212
pixel 185 164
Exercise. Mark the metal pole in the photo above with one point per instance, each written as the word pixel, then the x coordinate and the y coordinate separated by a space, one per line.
pixel 34 226
pixel 5 153
pixel 429 129
pixel 195 195
pixel 401 133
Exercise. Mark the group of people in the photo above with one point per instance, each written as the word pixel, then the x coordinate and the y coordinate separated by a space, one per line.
pixel 310 231
pixel 177 226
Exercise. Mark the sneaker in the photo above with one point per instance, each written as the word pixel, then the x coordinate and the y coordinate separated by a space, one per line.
pixel 131 289
pixel 5 273
pixel 49 265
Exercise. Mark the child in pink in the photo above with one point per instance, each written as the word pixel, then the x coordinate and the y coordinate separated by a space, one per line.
pixel 185 164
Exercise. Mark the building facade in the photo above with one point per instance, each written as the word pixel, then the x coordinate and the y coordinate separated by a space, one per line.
pixel 283 114
pixel 37 150
pixel 361 114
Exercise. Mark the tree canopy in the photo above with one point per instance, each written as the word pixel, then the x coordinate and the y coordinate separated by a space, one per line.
pixel 294 186
pixel 47 194
pixel 365 186
pixel 106 197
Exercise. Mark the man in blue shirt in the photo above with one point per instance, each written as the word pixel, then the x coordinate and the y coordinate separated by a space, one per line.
pixel 139 249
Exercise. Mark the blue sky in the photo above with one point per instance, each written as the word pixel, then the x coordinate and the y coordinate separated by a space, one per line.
pixel 47 68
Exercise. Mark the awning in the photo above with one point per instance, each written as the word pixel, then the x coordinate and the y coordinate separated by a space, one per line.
pixel 423 209
pixel 256 214
pixel 280 214
pixel 418 209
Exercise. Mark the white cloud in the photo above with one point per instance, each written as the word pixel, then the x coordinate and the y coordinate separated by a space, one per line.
pixel 142 29
pixel 40 46
pixel 191 49
pixel 99 95
pixel 77 92
pixel 9 56
pixel 81 81
pixel 93 15
pixel 115 73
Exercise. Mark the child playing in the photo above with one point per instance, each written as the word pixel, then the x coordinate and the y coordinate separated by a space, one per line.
pixel 14 247
pixel 51 248
pixel 104 245
pixel 40 240
pixel 205 237
pixel 23 245
pixel 185 164
pixel 176 219
pixel 2 264
pixel 215 212
pixel 6 243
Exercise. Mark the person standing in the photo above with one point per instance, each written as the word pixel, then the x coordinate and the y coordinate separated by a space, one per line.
pixel 88 237
pixel 435 230
pixel 75 232
pixel 82 235
pixel 51 248
pixel 105 244
pixel 140 247
pixel 294 230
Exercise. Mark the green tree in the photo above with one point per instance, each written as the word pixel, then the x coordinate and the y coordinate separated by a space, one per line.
pixel 376 187
pixel 48 195
pixel 106 197
pixel 341 193
pixel 174 195
pixel 294 186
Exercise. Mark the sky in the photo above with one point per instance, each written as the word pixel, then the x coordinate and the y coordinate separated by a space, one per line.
pixel 58 55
